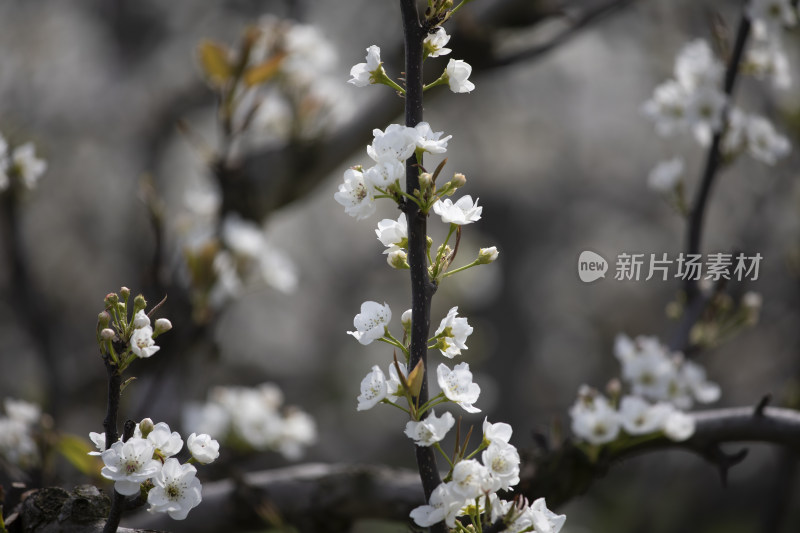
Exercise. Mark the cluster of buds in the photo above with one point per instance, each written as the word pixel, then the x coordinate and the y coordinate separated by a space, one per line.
pixel 124 332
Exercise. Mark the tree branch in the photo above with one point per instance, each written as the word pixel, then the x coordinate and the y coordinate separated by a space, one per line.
pixel 315 494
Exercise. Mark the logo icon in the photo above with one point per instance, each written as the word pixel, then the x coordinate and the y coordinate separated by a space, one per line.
pixel 591 266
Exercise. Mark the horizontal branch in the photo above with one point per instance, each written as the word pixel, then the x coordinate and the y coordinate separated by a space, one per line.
pixel 333 496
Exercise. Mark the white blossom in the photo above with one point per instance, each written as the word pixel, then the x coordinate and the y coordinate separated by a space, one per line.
pixel 371 322
pixel 470 479
pixel 394 386
pixel 373 389
pixel 544 520
pixel 434 43
pixel 385 172
pixel 458 73
pixel 363 74
pixel 502 461
pixel 211 418
pixel 393 233
pixel 129 464
pixel 458 387
pixel 203 448
pixel 666 175
pixel 463 211
pixel 593 418
pixel 176 490
pixel 395 143
pixel 429 140
pixel 769 17
pixel 23 160
pixel 488 255
pixel 455 330
pixel 697 66
pixel 140 319
pixel 22 411
pixel 763 142
pixel 497 432
pixel 142 343
pixel 356 195
pixel 298 431
pixel 429 430
pixel 639 417
pixel 693 376
pixel 766 59
pixel 668 108
pixel 166 443
pixel 99 440
pixel 443 505
pixel 704 112
pixel 678 426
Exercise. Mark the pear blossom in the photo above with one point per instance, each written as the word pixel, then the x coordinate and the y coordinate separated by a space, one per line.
pixel 458 387
pixel 299 430
pixel 639 417
pixel 22 411
pixel 488 255
pixel 429 140
pixel 734 139
pixel 697 66
pixel 405 319
pixel 463 211
pixel 162 326
pixel 443 505
pixel 140 319
pixel 210 418
pixel 769 16
pixel 434 43
pixel 176 490
pixel 129 464
pixel 142 343
pixel 385 172
pixel 243 238
pixel 373 389
pixel 203 448
pixel 371 322
pixel 544 520
pixel 766 59
pixel 693 376
pixel 363 74
pixel 24 162
pixel 678 426
pixel 356 195
pixel 458 73
pixel 455 331
pixel 393 233
pixel 668 108
pixel 502 460
pixel 397 259
pixel 99 440
pixel 394 386
pixel 166 443
pixel 470 479
pixel 395 143
pixel 666 175
pixel 763 142
pixel 429 430
pixel 593 418
pixel 704 112
pixel 495 433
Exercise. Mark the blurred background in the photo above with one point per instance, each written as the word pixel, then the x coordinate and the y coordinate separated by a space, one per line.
pixel 114 97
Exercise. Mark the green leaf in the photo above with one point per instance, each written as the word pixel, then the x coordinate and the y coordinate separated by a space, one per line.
pixel 265 71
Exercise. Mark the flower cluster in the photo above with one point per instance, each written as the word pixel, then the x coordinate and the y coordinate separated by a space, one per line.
pixel 470 487
pixel 223 258
pixel 17 443
pixel 253 417
pixel 693 101
pixel 19 163
pixel 662 386
pixel 125 339
pixel 146 464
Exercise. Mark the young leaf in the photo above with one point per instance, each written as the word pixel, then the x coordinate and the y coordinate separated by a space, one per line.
pixel 415 378
pixel 214 61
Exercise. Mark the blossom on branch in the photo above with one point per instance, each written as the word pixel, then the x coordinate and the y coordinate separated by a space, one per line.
pixel 462 212
pixel 176 490
pixel 458 73
pixel 458 387
pixel 454 331
pixel 373 389
pixel 429 430
pixel 433 45
pixel 129 464
pixel 371 322
pixel 364 74
pixel 356 195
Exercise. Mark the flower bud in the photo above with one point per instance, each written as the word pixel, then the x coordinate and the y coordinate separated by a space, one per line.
pixel 111 299
pixel 397 259
pixel 162 326
pixel 459 180
pixel 405 319
pixel 614 389
pixel 139 303
pixel 146 426
pixel 125 292
pixel 425 180
pixel 487 255
pixel 103 320
pixel 107 334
